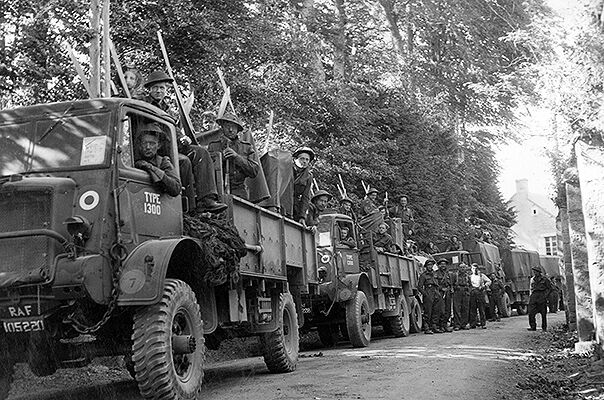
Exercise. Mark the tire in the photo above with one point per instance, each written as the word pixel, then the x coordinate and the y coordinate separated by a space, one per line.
pixel 358 320
pixel 41 355
pixel 415 316
pixel 328 334
pixel 161 374
pixel 506 306
pixel 7 370
pixel 399 326
pixel 522 309
pixel 280 348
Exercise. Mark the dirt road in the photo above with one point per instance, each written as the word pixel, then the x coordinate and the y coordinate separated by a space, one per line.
pixel 465 365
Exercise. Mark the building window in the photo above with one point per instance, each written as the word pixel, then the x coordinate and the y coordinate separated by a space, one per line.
pixel 551 246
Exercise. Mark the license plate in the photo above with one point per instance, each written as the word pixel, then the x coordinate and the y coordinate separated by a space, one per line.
pixel 31 325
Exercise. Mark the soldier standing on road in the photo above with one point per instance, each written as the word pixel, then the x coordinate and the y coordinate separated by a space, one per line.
pixel 446 291
pixel 431 299
pixel 540 290
pixel 238 156
pixel 159 168
pixel 303 178
pixel 480 283
pixel 461 298
pixel 496 297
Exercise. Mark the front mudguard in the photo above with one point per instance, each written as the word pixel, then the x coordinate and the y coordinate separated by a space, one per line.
pixel 144 270
pixel 345 288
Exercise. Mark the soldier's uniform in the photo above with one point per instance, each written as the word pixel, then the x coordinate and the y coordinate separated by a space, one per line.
pixel 350 212
pixel 495 298
pixel 540 290
pixel 313 212
pixel 367 205
pixel 302 184
pixel 461 299
pixel 445 286
pixel 554 297
pixel 383 240
pixel 431 298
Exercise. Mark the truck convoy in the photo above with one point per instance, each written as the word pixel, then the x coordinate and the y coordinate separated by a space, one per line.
pixel 96 261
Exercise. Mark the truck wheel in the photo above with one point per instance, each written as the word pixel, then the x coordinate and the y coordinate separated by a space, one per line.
pixel 506 309
pixel 399 326
pixel 415 316
pixel 162 370
pixel 358 320
pixel 328 334
pixel 522 309
pixel 41 355
pixel 280 347
pixel 7 370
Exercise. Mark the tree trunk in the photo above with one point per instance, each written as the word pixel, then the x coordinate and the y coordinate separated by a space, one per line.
pixel 590 163
pixel 106 54
pixel 568 286
pixel 392 19
pixel 576 229
pixel 306 13
pixel 340 42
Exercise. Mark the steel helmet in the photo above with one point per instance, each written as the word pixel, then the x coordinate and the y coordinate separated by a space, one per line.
pixel 344 199
pixel 157 77
pixel 321 193
pixel 230 117
pixel 306 150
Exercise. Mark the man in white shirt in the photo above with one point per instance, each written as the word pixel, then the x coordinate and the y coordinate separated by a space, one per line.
pixel 479 283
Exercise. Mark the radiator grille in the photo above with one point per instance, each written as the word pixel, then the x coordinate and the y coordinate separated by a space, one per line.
pixel 24 210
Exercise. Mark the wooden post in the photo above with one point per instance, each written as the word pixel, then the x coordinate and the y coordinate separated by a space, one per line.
pixel 106 52
pixel 576 229
pixel 590 163
pixel 95 55
pixel 568 286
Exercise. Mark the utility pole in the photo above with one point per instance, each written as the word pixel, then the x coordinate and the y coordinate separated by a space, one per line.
pixel 95 51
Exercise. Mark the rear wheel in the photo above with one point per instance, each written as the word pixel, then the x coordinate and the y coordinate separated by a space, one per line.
pixel 328 334
pixel 415 316
pixel 168 345
pixel 522 309
pixel 280 347
pixel 399 326
pixel 506 306
pixel 358 320
pixel 7 369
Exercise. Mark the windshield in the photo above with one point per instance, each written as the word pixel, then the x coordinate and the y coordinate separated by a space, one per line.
pixel 56 143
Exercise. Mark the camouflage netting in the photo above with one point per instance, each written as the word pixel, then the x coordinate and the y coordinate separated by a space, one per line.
pixel 222 248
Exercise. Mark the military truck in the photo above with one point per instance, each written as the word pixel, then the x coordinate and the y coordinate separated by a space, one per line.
pixel 484 254
pixel 358 287
pixel 95 262
pixel 517 265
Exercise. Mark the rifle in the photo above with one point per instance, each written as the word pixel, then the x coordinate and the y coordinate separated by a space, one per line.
pixel 187 124
pixel 385 204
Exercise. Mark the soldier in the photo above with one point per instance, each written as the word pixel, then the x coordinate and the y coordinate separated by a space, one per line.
pixel 159 168
pixel 318 205
pixel 431 248
pixel 195 163
pixel 454 244
pixel 303 178
pixel 368 205
pixel 446 291
pixel 382 241
pixel 239 160
pixel 479 283
pixel 346 208
pixel 428 287
pixel 495 297
pixel 405 213
pixel 461 298
pixel 134 81
pixel 540 290
pixel 208 121
pixel 554 297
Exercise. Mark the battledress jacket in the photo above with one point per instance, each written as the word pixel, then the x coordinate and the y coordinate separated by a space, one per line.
pixel 241 167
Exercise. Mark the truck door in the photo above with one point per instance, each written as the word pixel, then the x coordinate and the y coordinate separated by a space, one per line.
pixel 145 210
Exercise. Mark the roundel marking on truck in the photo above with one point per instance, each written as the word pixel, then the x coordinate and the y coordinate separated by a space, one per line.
pixel 132 281
pixel 89 200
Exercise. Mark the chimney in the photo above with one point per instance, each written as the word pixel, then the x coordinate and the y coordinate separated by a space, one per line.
pixel 522 187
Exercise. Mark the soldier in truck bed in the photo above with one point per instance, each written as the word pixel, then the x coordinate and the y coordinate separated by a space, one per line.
pixel 159 168
pixel 382 241
pixel 238 156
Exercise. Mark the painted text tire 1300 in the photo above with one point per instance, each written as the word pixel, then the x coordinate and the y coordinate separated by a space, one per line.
pixel 161 371
pixel 358 320
pixel 280 347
